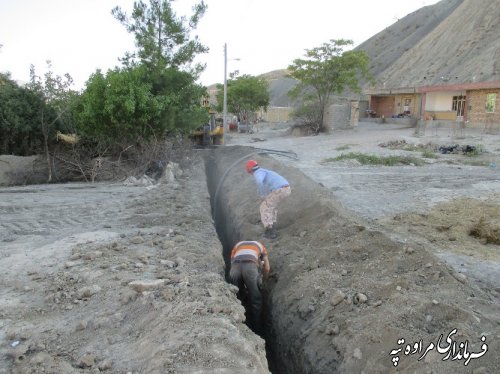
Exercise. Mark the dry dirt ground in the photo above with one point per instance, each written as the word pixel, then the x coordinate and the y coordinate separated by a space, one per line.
pixel 435 205
pixel 121 279
pixel 130 279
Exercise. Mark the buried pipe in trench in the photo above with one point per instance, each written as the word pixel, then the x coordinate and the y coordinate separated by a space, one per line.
pixel 259 151
pixel 295 336
pixel 229 234
pixel 293 345
pixel 318 322
pixel 225 228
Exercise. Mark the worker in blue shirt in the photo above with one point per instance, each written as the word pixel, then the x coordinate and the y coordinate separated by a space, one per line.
pixel 271 187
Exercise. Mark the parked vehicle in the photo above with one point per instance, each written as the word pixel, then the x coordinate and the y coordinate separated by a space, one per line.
pixel 233 126
pixel 211 133
pixel 245 127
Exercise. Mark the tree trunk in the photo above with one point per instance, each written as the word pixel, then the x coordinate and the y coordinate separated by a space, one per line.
pixel 45 132
pixel 321 116
pixel 323 102
pixel 5 146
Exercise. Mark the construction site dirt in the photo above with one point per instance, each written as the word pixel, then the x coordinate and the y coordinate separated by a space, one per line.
pixel 376 269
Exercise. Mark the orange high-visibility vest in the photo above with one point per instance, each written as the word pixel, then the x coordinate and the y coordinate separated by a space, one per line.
pixel 252 248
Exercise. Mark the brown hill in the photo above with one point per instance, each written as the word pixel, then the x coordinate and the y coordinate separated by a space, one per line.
pixel 454 41
pixel 386 47
pixel 279 85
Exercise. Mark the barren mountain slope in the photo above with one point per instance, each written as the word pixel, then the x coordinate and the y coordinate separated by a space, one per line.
pixel 279 85
pixel 463 48
pixel 387 46
pixel 453 41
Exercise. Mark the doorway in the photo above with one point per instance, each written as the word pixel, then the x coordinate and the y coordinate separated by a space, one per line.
pixel 459 106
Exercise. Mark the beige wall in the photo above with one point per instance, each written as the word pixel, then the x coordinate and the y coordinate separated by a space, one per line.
pixel 441 115
pixel 276 114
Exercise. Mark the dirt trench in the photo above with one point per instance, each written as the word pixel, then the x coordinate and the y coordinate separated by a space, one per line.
pixel 118 279
pixel 342 296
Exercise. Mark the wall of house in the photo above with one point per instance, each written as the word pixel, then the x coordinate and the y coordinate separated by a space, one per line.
pixel 363 108
pixel 341 114
pixel 476 114
pixel 276 114
pixel 445 115
pixel 336 116
pixel 438 105
pixel 382 105
pixel 438 101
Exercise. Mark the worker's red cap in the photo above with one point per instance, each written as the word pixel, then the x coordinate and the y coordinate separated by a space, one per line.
pixel 252 165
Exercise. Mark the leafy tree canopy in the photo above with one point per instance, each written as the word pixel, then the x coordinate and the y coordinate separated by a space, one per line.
pixel 245 94
pixel 54 90
pixel 19 124
pixel 163 39
pixel 122 104
pixel 328 70
pixel 55 97
pixel 156 91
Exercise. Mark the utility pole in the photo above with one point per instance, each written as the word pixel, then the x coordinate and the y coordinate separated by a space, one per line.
pixel 224 110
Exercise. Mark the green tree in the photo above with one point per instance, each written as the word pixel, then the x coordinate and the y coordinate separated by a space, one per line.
pixel 19 129
pixel 55 97
pixel 163 39
pixel 245 95
pixel 326 71
pixel 166 52
pixel 123 105
pixel 118 106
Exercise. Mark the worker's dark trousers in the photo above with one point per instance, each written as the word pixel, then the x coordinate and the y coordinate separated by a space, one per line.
pixel 247 273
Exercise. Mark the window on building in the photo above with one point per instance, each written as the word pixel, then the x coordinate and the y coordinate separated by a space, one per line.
pixel 490 102
pixel 458 105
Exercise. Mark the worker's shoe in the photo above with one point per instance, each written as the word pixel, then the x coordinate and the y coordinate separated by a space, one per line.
pixel 270 233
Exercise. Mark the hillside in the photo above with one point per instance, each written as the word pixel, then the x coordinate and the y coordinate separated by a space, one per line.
pixel 279 85
pixel 463 47
pixel 453 41
pixel 386 47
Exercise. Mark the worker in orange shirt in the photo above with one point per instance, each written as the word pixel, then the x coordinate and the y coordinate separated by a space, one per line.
pixel 249 263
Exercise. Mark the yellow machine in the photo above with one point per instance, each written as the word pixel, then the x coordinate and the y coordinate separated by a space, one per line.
pixel 211 133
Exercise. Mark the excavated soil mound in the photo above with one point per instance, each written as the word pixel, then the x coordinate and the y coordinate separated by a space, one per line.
pixel 343 297
pixel 17 170
pixel 118 279
pixel 114 278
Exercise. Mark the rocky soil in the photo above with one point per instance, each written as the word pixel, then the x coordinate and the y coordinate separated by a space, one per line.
pixel 121 279
pixel 130 279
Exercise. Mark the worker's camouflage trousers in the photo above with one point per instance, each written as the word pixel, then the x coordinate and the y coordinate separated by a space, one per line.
pixel 269 207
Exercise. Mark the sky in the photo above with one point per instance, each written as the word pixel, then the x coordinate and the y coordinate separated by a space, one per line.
pixel 81 36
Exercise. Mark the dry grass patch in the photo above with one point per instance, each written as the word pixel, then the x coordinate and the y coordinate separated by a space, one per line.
pixel 487 232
